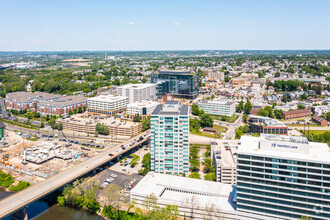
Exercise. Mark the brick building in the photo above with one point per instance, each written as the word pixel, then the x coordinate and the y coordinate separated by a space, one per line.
pixel 296 114
pixel 319 120
pixel 260 124
pixel 44 103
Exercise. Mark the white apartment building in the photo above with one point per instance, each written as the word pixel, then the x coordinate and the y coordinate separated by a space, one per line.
pixel 106 105
pixel 138 92
pixel 170 138
pixel 224 157
pixel 283 177
pixel 144 109
pixel 218 107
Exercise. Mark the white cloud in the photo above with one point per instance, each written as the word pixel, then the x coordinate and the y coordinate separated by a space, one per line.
pixel 130 22
pixel 176 23
pixel 141 23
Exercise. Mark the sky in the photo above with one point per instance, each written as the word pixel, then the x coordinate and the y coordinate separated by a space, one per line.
pixel 70 25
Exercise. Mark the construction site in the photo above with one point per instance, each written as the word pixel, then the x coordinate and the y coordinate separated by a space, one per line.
pixel 37 159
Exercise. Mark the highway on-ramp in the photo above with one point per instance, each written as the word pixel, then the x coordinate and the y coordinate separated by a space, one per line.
pixel 35 192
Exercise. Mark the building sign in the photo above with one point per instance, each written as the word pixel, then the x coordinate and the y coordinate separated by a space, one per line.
pixel 284 146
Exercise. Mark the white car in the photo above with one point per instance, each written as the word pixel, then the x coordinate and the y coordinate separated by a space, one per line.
pixel 105 184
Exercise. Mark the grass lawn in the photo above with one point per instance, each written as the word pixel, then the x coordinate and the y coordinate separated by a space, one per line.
pixel 301 125
pixel 231 119
pixel 211 135
pixel 316 132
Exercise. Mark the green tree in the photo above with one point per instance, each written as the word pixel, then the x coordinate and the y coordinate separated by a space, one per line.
pixel 278 113
pixel 102 129
pixel 263 112
pixel 194 175
pixel 239 132
pixel 303 96
pixel 270 111
pixel 206 120
pixel 195 109
pixel 240 107
pixel 301 106
pixel 146 123
pixel 245 116
pixel 136 118
pixel 247 107
pixel 328 116
pixel 210 176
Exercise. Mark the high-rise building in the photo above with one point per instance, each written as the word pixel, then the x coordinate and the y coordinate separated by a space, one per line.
pixel 218 107
pixel 178 83
pixel 170 138
pixel 283 177
pixel 138 92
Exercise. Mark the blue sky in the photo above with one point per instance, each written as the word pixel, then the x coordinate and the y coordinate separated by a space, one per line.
pixel 42 25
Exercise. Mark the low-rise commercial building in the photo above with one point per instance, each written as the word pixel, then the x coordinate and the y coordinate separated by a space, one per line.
pixel 138 92
pixel 224 156
pixel 217 107
pixel 195 199
pixel 238 82
pixel 143 109
pixel 260 124
pixel 81 123
pixel 106 105
pixel 296 114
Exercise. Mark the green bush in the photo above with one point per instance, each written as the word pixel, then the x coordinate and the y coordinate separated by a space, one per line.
pixel 20 186
pixel 6 179
pixel 194 175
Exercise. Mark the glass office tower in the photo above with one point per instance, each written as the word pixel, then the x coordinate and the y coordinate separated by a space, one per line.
pixel 183 84
pixel 283 177
pixel 170 138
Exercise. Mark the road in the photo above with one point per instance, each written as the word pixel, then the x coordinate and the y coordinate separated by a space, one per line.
pixel 230 134
pixel 33 193
pixel 310 128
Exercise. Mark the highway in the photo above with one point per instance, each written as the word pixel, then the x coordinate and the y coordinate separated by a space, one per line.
pixel 35 192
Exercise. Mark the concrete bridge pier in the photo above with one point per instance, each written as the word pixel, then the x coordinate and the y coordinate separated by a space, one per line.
pixel 20 214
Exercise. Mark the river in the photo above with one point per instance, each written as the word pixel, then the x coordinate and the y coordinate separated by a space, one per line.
pixel 46 209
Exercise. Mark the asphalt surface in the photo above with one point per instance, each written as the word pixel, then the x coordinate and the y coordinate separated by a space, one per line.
pixel 25 197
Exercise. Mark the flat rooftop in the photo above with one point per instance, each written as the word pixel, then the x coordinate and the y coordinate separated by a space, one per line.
pixel 218 102
pixel 228 158
pixel 178 190
pixel 107 98
pixel 143 103
pixel 136 86
pixel 175 72
pixel 86 120
pixel 286 147
pixel 269 122
pixel 171 108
